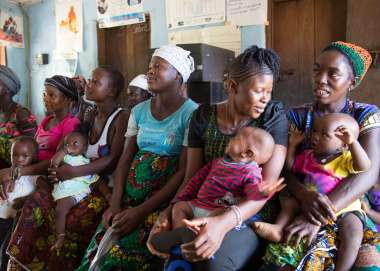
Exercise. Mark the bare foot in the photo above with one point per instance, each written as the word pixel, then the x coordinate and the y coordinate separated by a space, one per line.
pixel 59 243
pixel 270 232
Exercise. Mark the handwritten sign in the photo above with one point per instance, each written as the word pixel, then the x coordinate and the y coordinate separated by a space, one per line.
pixel 247 12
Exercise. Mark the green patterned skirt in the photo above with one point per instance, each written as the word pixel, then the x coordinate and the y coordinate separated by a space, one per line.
pixel 322 253
pixel 149 172
pixel 5 148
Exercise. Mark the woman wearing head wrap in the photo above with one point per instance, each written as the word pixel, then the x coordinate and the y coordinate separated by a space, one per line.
pixel 59 92
pixel 151 166
pixel 30 246
pixel 15 120
pixel 339 69
pixel 138 91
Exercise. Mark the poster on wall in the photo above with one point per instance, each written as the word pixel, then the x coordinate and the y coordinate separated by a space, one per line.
pixel 64 63
pixel 11 29
pixel 183 13
pixel 112 13
pixel 69 25
pixel 247 12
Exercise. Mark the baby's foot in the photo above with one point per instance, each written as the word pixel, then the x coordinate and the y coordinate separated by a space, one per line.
pixel 59 243
pixel 270 232
pixel 164 241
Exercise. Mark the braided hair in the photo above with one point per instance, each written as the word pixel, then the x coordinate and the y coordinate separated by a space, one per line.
pixel 253 61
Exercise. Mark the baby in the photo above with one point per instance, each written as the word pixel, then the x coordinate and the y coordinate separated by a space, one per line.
pixel 68 193
pixel 23 153
pixel 219 185
pixel 335 154
pixel 372 209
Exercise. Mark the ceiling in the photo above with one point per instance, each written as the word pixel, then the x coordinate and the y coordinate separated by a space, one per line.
pixel 25 2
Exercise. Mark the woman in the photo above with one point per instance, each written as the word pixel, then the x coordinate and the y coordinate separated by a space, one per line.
pixel 30 246
pixel 59 92
pixel 15 120
pixel 250 84
pixel 138 91
pixel 338 70
pixel 152 165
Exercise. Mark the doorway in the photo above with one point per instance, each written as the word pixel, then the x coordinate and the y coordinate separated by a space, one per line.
pixel 298 32
pixel 125 48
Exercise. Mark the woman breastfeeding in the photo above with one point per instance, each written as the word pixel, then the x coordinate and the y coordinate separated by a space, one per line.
pixel 249 84
pixel 30 246
pixel 151 167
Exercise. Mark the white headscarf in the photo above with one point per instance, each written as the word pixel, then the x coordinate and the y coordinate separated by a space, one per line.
pixel 179 58
pixel 140 81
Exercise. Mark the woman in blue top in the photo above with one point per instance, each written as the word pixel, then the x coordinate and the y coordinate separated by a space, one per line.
pixel 152 165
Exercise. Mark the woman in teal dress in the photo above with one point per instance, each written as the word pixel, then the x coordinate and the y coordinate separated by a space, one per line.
pixel 152 165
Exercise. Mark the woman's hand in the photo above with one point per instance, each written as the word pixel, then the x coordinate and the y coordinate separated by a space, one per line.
pixel 109 214
pixel 64 172
pixel 211 233
pixel 298 229
pixel 127 220
pixel 317 208
pixel 163 223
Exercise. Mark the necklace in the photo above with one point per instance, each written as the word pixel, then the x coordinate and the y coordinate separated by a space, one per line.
pixel 230 119
pixel 329 156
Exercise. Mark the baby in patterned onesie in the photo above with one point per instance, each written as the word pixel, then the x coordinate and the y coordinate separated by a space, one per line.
pixel 219 185
pixel 334 155
pixel 68 193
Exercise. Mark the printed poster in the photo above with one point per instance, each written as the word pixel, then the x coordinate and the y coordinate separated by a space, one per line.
pixel 247 12
pixel 11 29
pixel 69 25
pixel 112 13
pixel 184 13
pixel 64 63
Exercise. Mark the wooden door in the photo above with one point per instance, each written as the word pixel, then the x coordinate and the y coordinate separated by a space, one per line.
pixel 126 48
pixel 298 30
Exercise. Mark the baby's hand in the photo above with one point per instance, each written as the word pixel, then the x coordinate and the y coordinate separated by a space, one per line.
pixel 345 134
pixel 268 189
pixel 296 137
pixel 365 205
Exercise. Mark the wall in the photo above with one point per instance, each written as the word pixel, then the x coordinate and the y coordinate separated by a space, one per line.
pixel 42 40
pixel 363 28
pixel 18 57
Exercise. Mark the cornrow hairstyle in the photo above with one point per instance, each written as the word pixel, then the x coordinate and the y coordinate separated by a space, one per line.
pixel 117 79
pixel 253 61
